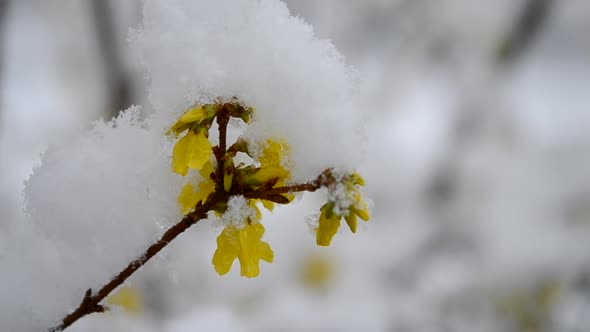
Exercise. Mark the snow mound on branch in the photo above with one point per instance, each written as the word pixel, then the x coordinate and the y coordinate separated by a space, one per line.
pixel 101 201
pixel 196 51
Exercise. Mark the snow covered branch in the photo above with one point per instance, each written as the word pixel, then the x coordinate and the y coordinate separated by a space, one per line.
pixel 248 186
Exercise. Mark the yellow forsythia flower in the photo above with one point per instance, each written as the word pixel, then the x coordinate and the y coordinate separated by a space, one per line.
pixel 189 198
pixel 330 221
pixel 268 205
pixel 273 152
pixel 252 204
pixel 266 173
pixel 317 272
pixel 328 226
pixel 191 117
pixel 358 208
pixel 271 167
pixel 246 245
pixel 193 150
pixel 128 298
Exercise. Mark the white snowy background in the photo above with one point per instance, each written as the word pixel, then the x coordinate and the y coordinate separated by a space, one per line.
pixel 479 170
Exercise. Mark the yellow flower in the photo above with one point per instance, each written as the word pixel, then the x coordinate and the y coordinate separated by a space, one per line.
pixel 328 226
pixel 318 272
pixel 128 298
pixel 193 150
pixel 189 198
pixel 268 205
pixel 330 221
pixel 360 209
pixel 267 173
pixel 273 152
pixel 252 204
pixel 270 168
pixel 246 245
pixel 191 117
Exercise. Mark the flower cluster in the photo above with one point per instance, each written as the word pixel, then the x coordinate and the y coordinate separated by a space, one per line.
pixel 231 187
pixel 345 202
pixel 221 175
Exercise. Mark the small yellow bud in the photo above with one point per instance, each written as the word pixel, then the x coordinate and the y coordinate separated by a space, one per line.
pixel 351 221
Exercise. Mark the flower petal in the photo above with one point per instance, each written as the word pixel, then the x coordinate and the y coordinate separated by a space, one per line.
pixel 266 173
pixel 351 221
pixel 328 226
pixel 178 128
pixel 265 252
pixel 188 199
pixel 195 114
pixel 200 150
pixel 128 298
pixel 227 250
pixel 362 211
pixel 249 239
pixel 180 153
pixel 268 205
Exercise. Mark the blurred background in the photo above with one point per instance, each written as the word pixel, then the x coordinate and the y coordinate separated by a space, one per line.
pixel 477 161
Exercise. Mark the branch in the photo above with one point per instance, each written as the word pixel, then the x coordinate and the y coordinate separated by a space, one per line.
pixel 322 180
pixel 91 303
pixel 534 14
pixel 119 83
pixel 4 5
pixel 220 151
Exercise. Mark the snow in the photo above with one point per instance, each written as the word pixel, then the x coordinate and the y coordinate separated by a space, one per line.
pixel 515 216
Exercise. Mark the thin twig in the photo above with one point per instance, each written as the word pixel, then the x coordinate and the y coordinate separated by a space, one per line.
pixel 322 180
pixel 534 15
pixel 91 303
pixel 4 4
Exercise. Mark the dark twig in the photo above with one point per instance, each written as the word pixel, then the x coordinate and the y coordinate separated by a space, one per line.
pixel 534 14
pixel 91 303
pixel 322 180
pixel 4 4
pixel 220 151
pixel 119 84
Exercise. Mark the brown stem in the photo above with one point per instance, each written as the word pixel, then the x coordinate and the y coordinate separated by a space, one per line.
pixel 91 303
pixel 322 180
pixel 220 151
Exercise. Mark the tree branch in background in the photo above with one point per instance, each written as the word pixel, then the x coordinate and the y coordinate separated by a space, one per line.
pixel 119 84
pixel 449 183
pixel 520 37
pixel 532 18
pixel 3 8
